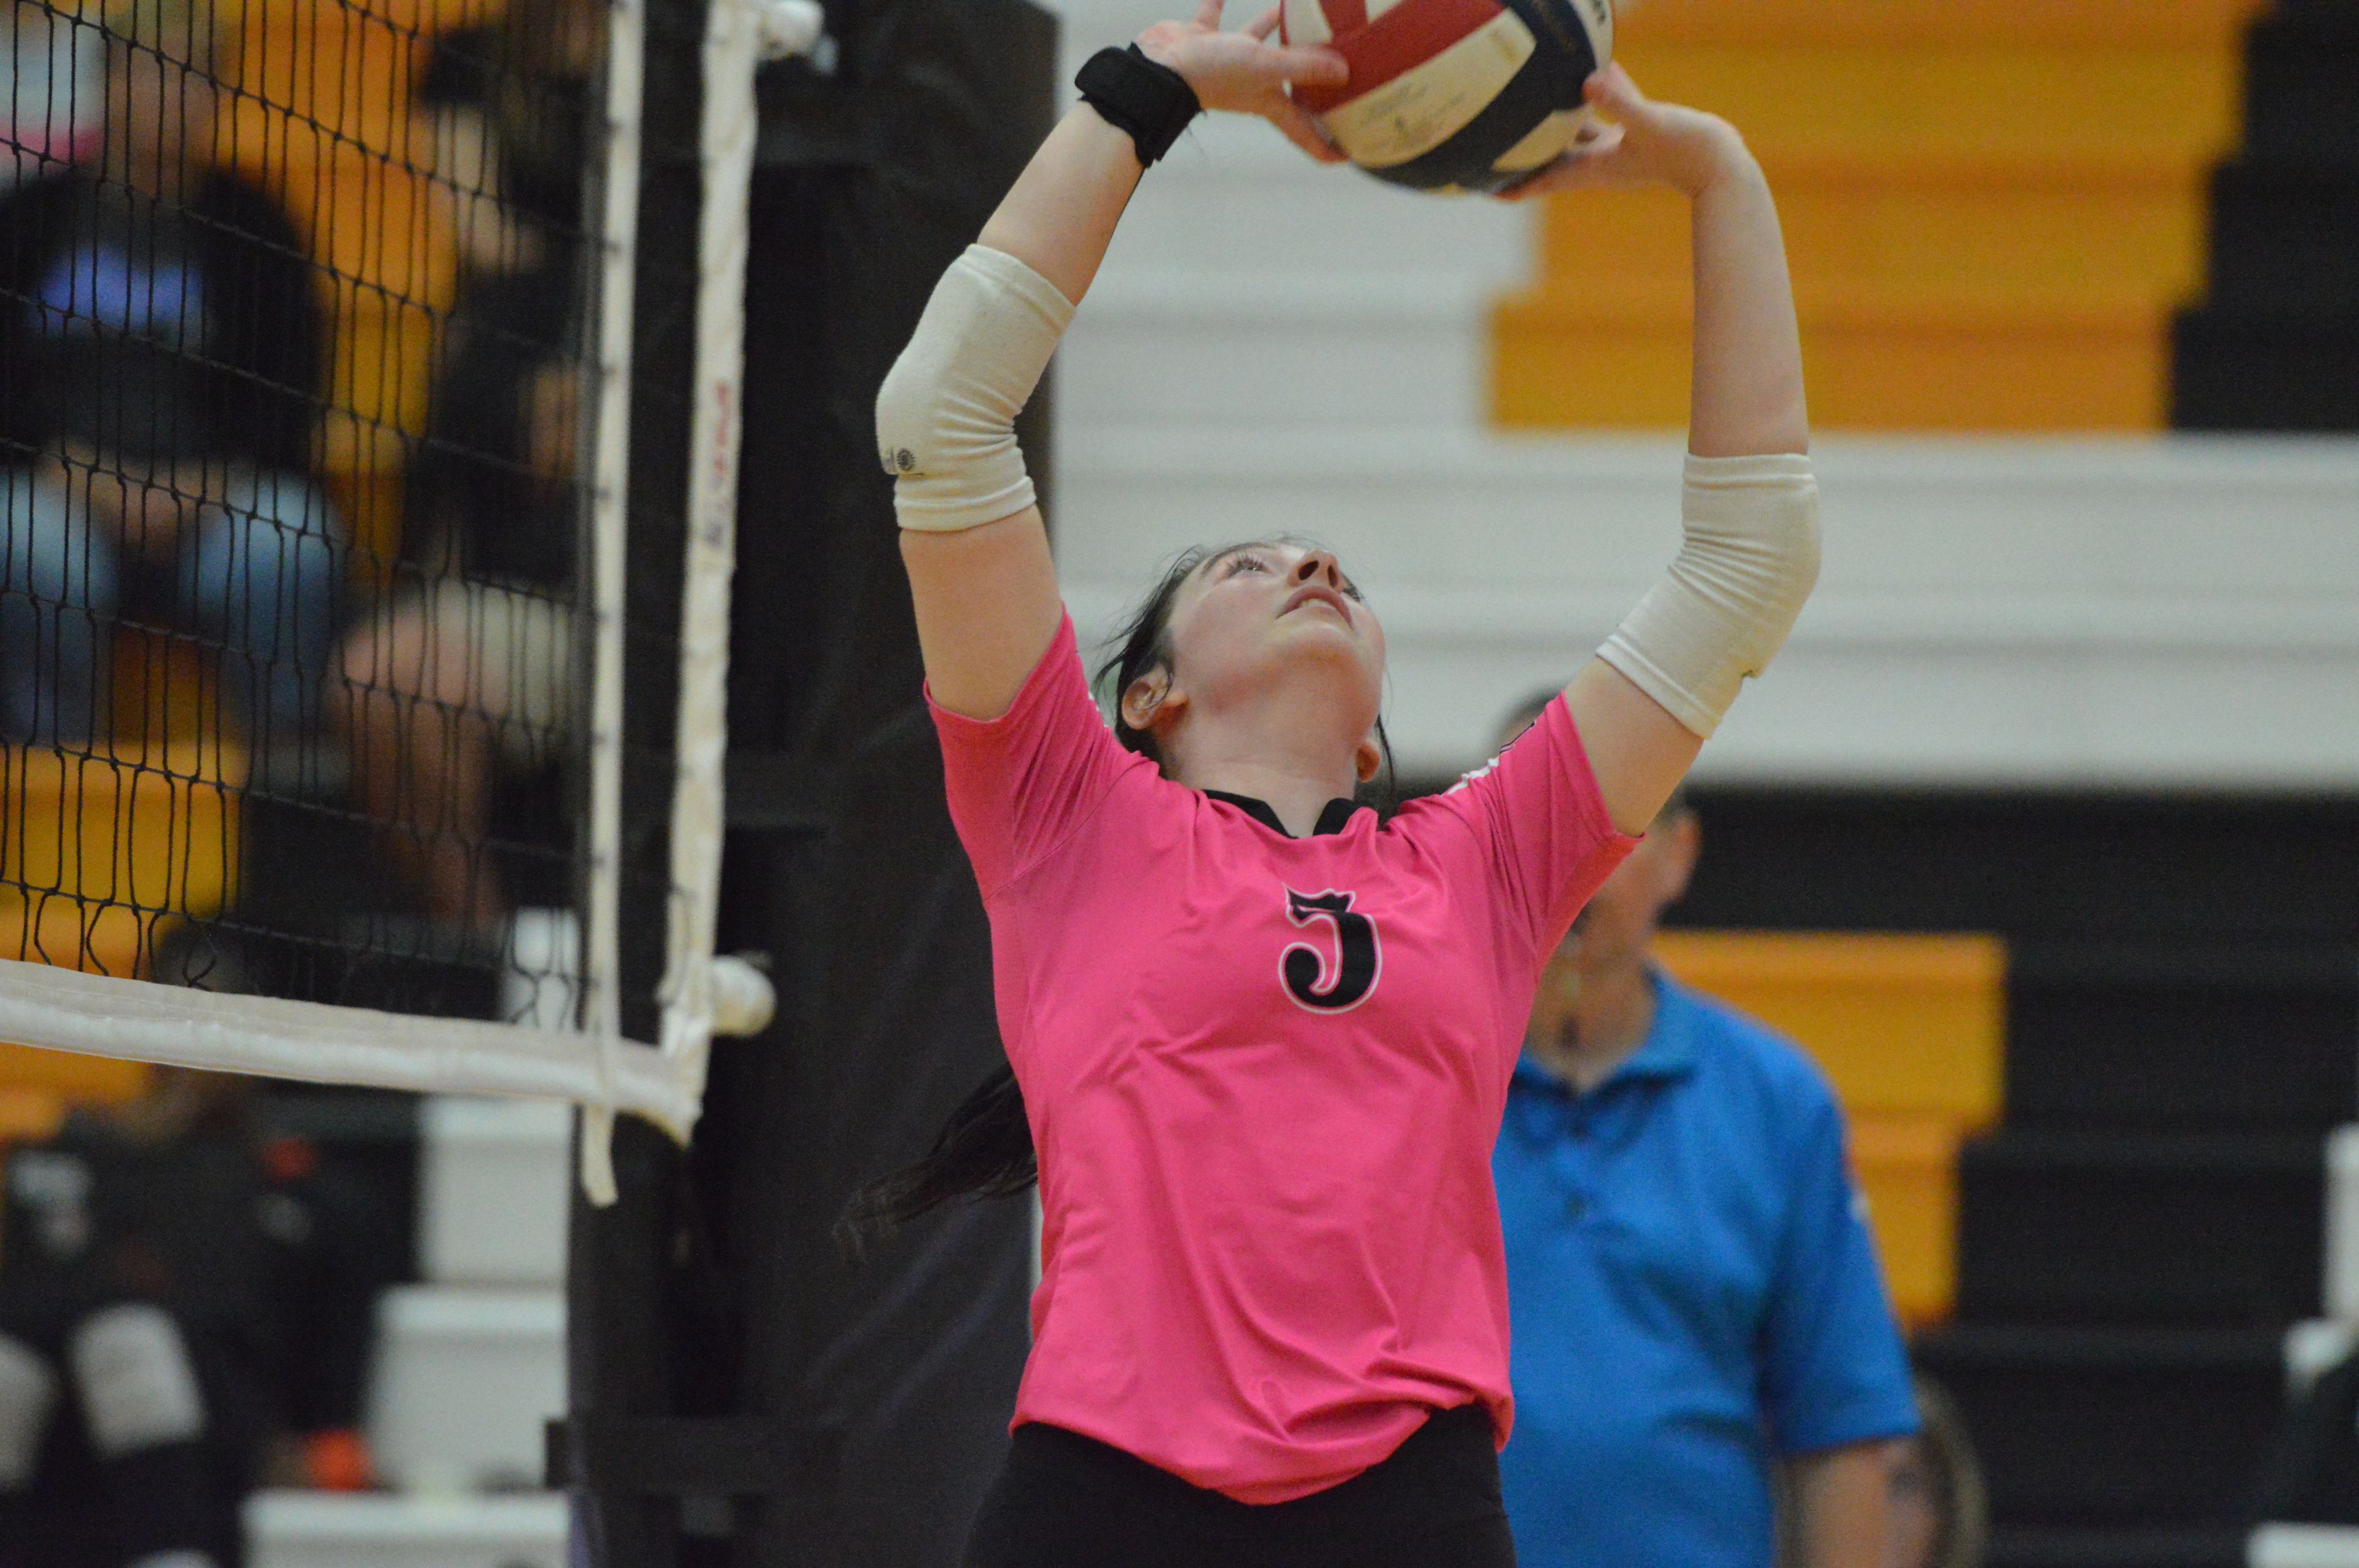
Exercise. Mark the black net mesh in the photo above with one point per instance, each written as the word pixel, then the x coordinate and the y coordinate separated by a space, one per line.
pixel 293 483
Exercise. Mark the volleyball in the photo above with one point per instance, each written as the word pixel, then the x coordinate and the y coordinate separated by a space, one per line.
pixel 1453 94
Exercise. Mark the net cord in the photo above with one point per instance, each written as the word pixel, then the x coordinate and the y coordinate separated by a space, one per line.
pixel 100 1015
pixel 726 141
pixel 610 471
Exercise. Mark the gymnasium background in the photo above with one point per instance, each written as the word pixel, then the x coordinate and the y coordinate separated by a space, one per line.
pixel 2044 835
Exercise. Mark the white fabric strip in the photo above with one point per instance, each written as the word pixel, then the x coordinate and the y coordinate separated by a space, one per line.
pixel 65 1009
pixel 610 475
pixel 702 739
pixel 1748 559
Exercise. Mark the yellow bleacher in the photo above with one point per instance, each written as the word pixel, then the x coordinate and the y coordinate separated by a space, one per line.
pixel 323 121
pixel 104 850
pixel 104 847
pixel 1912 1030
pixel 1992 207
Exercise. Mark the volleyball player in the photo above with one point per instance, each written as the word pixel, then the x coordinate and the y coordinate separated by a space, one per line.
pixel 1263 1038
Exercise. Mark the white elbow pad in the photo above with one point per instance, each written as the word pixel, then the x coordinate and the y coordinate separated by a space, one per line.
pixel 946 414
pixel 1748 560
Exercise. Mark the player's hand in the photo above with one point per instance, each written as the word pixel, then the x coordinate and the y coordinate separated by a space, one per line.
pixel 1640 142
pixel 1245 73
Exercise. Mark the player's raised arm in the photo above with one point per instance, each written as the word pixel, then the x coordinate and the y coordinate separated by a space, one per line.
pixel 972 535
pixel 1661 684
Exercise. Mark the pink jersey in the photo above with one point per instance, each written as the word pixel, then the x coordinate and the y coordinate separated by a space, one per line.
pixel 1263 1075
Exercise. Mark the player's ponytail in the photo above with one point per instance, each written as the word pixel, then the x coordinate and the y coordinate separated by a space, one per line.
pixel 983 1151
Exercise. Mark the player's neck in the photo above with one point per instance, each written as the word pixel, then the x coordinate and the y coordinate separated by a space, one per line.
pixel 1270 754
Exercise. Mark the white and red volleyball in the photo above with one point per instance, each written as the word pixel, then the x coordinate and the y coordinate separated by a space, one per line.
pixel 1453 95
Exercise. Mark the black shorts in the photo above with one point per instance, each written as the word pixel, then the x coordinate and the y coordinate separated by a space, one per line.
pixel 1068 1501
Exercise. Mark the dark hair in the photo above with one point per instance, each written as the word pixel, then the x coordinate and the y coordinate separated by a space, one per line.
pixel 985 1150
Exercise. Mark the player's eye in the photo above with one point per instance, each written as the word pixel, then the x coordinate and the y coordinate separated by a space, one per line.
pixel 1351 591
pixel 1247 562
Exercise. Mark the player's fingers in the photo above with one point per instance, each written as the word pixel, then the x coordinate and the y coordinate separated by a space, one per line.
pixel 1208 14
pixel 1613 91
pixel 1312 67
pixel 1261 27
pixel 1302 128
pixel 1541 181
pixel 1577 169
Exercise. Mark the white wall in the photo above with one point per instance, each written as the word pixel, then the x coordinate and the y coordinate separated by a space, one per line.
pixel 2141 613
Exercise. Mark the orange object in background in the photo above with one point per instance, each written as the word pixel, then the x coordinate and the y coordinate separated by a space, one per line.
pixel 1904 1024
pixel 26 1115
pixel 1911 1031
pixel 338 1461
pixel 1906 1167
pixel 1992 207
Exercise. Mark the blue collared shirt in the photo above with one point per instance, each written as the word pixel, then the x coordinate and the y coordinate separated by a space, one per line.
pixel 1693 1294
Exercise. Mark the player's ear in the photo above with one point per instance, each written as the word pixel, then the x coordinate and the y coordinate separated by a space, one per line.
pixel 1151 700
pixel 1369 760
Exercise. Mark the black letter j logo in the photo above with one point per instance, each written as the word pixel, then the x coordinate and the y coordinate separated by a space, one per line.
pixel 1310 980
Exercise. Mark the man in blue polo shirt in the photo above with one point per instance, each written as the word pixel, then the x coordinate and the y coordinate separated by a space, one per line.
pixel 1695 1301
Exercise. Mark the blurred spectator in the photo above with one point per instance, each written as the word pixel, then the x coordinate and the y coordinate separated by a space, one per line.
pixel 1697 1303
pixel 44 62
pixel 157 257
pixel 159 343
pixel 247 557
pixel 467 672
pixel 509 107
pixel 179 1299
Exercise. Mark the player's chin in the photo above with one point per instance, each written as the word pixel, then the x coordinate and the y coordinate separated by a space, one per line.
pixel 1321 625
pixel 1354 649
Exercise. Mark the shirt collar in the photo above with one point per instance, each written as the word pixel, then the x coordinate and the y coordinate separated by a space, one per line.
pixel 1668 1052
pixel 1332 817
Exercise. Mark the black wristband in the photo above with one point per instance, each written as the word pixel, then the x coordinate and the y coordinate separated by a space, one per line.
pixel 1132 92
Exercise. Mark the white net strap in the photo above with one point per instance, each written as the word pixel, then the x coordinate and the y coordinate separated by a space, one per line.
pixel 732 47
pixel 609 533
pixel 69 1011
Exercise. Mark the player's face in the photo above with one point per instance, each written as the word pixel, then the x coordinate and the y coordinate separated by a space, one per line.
pixel 1259 614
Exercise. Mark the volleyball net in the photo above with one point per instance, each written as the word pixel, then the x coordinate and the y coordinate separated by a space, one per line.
pixel 363 595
